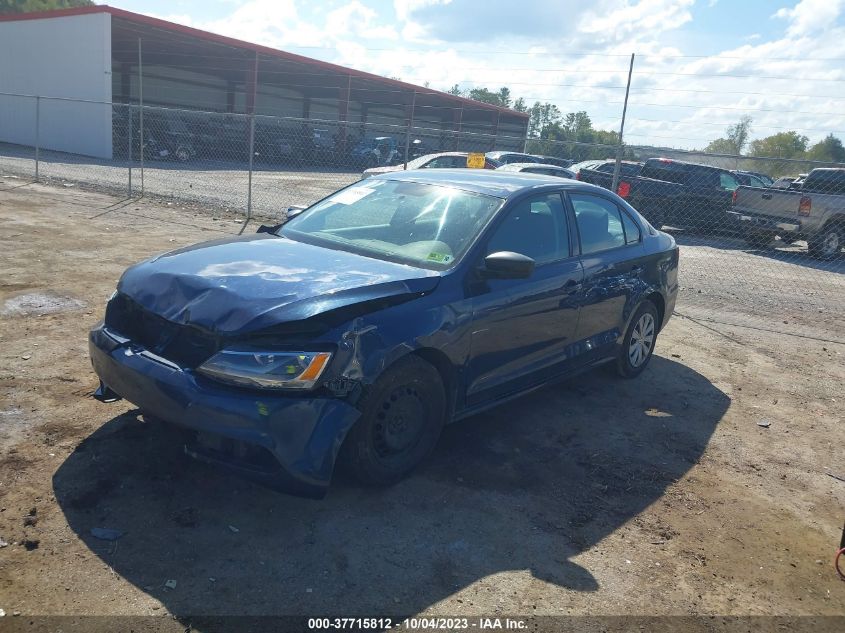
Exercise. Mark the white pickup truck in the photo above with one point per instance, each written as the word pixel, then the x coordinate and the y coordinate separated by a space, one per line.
pixel 815 211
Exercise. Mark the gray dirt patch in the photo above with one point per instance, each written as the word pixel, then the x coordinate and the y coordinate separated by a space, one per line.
pixel 39 303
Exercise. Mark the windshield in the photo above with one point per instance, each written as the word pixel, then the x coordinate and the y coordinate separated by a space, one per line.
pixel 425 225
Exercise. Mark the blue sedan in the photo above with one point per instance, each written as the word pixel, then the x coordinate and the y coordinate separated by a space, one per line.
pixel 356 330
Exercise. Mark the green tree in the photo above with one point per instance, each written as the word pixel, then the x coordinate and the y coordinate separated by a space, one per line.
pixel 485 96
pixel 781 145
pixel 720 146
pixel 31 6
pixel 504 95
pixel 829 150
pixel 736 138
pixel 520 106
pixel 456 90
pixel 541 116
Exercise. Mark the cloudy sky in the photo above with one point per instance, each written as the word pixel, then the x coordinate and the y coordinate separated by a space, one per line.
pixel 700 64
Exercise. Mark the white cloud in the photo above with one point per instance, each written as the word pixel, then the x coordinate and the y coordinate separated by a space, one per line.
pixel 810 16
pixel 576 56
pixel 355 19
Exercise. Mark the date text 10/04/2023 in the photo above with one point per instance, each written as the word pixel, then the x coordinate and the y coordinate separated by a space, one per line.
pixel 417 624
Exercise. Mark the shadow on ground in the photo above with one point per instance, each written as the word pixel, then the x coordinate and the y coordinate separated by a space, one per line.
pixel 527 486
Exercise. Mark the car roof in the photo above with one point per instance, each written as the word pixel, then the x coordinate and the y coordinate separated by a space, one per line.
pixel 503 153
pixel 533 165
pixel 491 182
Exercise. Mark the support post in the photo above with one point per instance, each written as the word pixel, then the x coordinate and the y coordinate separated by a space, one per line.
pixel 408 130
pixel 252 90
pixel 343 111
pixel 618 166
pixel 249 180
pixel 129 157
pixel 37 135
pixel 141 140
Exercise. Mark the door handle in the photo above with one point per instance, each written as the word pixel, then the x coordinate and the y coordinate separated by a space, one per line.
pixel 766 196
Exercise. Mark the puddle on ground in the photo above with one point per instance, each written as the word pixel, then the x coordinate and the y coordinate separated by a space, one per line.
pixel 36 303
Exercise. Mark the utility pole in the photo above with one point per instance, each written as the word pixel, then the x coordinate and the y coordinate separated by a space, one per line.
pixel 619 149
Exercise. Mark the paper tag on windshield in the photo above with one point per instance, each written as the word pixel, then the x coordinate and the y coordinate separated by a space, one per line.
pixel 352 195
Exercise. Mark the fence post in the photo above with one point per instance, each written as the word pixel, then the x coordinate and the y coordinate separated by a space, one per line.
pixel 618 166
pixel 408 130
pixel 129 145
pixel 37 134
pixel 249 180
pixel 141 113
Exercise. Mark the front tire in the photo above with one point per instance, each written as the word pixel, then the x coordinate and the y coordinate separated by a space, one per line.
pixel 402 415
pixel 827 243
pixel 638 344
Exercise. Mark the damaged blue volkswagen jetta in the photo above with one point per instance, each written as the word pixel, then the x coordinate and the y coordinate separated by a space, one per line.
pixel 366 322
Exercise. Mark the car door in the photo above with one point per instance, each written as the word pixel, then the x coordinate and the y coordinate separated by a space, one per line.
pixel 522 328
pixel 612 257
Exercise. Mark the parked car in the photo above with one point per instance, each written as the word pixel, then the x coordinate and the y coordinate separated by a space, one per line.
pixel 784 182
pixel 672 192
pixel 705 196
pixel 360 327
pixel 504 158
pixel 442 160
pixel 552 160
pixel 166 137
pixel 749 180
pixel 814 212
pixel 740 174
pixel 585 164
pixel 627 168
pixel 538 168
pixel 375 152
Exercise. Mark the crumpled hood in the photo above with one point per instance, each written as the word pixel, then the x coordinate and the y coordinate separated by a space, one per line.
pixel 246 284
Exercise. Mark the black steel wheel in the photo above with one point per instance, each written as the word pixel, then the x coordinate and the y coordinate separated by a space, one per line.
pixel 402 415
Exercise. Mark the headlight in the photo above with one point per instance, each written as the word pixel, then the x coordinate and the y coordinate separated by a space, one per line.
pixel 268 370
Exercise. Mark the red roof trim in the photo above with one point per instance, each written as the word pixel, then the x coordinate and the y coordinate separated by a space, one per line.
pixel 230 41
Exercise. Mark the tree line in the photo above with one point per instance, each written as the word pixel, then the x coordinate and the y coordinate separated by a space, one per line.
pixel 789 144
pixel 548 126
pixel 550 131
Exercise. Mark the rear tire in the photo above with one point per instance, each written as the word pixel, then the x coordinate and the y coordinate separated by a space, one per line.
pixel 827 243
pixel 402 415
pixel 639 341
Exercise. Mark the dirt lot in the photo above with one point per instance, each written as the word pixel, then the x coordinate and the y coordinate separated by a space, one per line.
pixel 657 496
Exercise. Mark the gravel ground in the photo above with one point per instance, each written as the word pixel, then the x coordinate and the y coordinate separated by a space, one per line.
pixel 661 496
pixel 215 184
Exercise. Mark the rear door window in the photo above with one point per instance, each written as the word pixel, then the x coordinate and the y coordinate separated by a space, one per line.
pixel 599 223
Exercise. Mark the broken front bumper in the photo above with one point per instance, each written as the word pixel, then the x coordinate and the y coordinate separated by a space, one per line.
pixel 302 434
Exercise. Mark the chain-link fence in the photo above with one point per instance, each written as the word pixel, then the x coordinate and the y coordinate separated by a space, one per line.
pixel 761 238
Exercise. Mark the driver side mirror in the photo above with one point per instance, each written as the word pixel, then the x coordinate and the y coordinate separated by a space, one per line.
pixel 508 265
